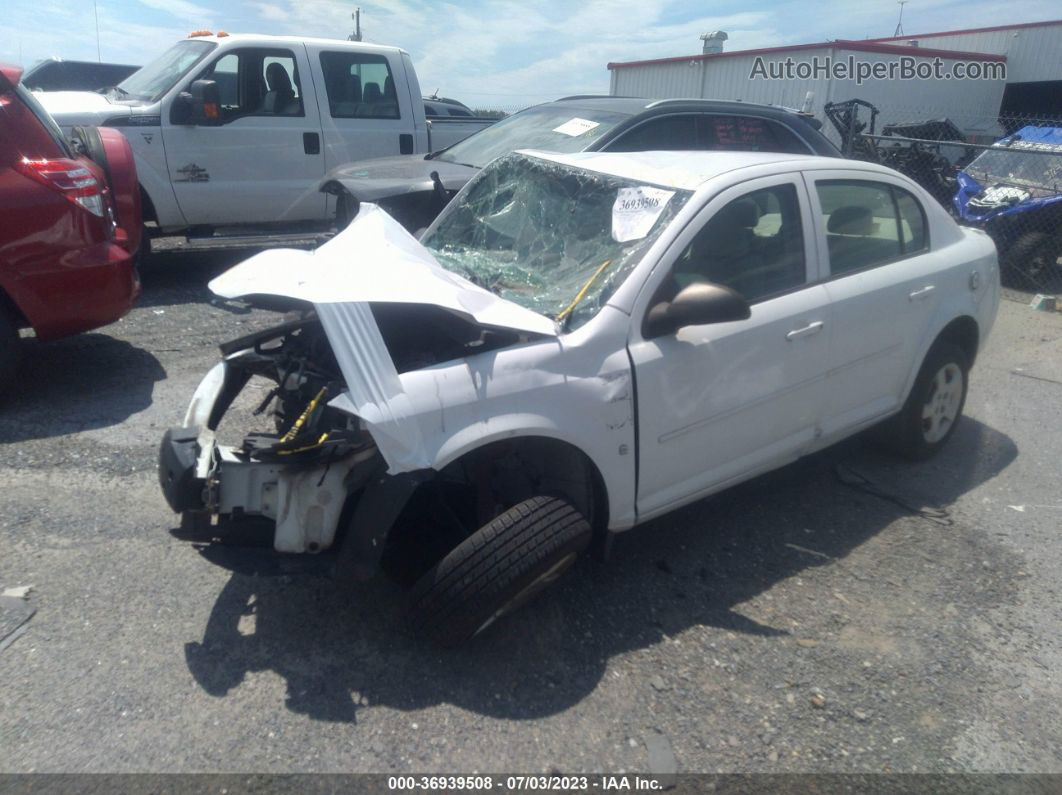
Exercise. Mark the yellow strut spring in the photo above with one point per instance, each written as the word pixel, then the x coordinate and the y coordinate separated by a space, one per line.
pixel 297 425
pixel 579 296
pixel 318 443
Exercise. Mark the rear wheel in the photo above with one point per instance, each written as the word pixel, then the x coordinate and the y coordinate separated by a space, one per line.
pixel 933 408
pixel 10 349
pixel 500 567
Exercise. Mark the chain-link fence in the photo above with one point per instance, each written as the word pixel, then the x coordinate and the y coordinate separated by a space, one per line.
pixel 1002 174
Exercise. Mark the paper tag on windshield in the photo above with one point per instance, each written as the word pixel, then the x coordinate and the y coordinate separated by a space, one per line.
pixel 636 210
pixel 574 127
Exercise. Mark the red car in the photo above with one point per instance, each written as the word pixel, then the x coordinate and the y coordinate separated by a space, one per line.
pixel 70 225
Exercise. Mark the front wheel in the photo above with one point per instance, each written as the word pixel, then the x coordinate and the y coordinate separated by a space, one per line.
pixel 500 567
pixel 933 408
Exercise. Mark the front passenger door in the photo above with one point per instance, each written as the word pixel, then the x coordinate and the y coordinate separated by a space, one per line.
pixel 717 403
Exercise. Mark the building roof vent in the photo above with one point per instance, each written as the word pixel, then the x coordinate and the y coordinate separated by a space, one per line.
pixel 713 42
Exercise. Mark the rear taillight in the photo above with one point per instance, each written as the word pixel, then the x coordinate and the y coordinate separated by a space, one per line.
pixel 68 177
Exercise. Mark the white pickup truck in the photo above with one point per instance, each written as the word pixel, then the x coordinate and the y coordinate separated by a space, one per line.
pixel 232 134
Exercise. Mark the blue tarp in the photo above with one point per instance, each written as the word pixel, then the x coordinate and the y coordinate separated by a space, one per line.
pixel 1052 136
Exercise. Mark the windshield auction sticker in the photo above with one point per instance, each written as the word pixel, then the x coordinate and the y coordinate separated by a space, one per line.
pixel 575 127
pixel 636 210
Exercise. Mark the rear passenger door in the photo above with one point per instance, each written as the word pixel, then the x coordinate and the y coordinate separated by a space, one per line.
pixel 366 109
pixel 881 279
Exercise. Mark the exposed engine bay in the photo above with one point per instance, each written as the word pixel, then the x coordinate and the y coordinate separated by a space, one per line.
pixel 298 357
pixel 311 442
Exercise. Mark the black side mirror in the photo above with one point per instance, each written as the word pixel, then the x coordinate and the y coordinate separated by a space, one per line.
pixel 696 305
pixel 199 105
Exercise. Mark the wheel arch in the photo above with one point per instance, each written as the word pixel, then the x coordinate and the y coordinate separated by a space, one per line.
pixel 569 470
pixel 963 332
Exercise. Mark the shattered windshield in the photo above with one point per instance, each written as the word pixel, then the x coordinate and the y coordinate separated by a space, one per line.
pixel 553 238
pixel 1023 162
pixel 550 127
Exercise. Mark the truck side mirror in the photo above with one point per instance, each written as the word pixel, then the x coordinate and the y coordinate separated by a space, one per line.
pixel 697 304
pixel 199 105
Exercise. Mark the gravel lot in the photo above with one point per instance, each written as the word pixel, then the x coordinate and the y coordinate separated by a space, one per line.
pixel 797 623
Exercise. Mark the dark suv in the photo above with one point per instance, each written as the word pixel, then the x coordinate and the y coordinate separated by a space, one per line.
pixel 414 188
pixel 55 74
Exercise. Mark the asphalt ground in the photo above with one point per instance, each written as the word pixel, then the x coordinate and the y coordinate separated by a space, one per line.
pixel 847 613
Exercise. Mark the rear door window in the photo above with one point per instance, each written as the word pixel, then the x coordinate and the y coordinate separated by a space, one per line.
pixel 669 133
pixel 862 229
pixel 748 134
pixel 359 86
pixel 912 222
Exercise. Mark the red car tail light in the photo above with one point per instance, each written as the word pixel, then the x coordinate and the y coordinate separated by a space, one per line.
pixel 70 178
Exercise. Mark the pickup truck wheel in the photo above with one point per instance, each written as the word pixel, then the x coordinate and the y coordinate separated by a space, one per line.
pixel 10 349
pixel 933 408
pixel 500 567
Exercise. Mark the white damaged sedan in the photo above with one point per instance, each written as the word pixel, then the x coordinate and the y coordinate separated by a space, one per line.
pixel 579 343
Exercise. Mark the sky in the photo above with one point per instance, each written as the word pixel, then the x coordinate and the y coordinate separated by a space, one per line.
pixel 490 53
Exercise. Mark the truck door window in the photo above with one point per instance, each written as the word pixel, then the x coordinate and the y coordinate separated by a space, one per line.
pixel 256 82
pixel 359 86
pixel 754 244
pixel 283 96
pixel 226 74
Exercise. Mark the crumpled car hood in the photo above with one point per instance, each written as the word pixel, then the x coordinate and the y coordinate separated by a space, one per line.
pixel 387 177
pixel 374 260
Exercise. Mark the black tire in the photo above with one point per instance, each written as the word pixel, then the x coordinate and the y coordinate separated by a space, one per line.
pixel 10 349
pixel 498 568
pixel 1032 260
pixel 910 433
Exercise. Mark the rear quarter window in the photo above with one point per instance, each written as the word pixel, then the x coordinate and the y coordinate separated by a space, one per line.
pixel 45 133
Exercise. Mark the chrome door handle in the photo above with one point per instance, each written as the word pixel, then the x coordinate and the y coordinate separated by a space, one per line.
pixel 807 331
pixel 918 295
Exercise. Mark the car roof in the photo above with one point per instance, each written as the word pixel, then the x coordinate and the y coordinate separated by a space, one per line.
pixel 635 105
pixel 683 170
pixel 55 59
